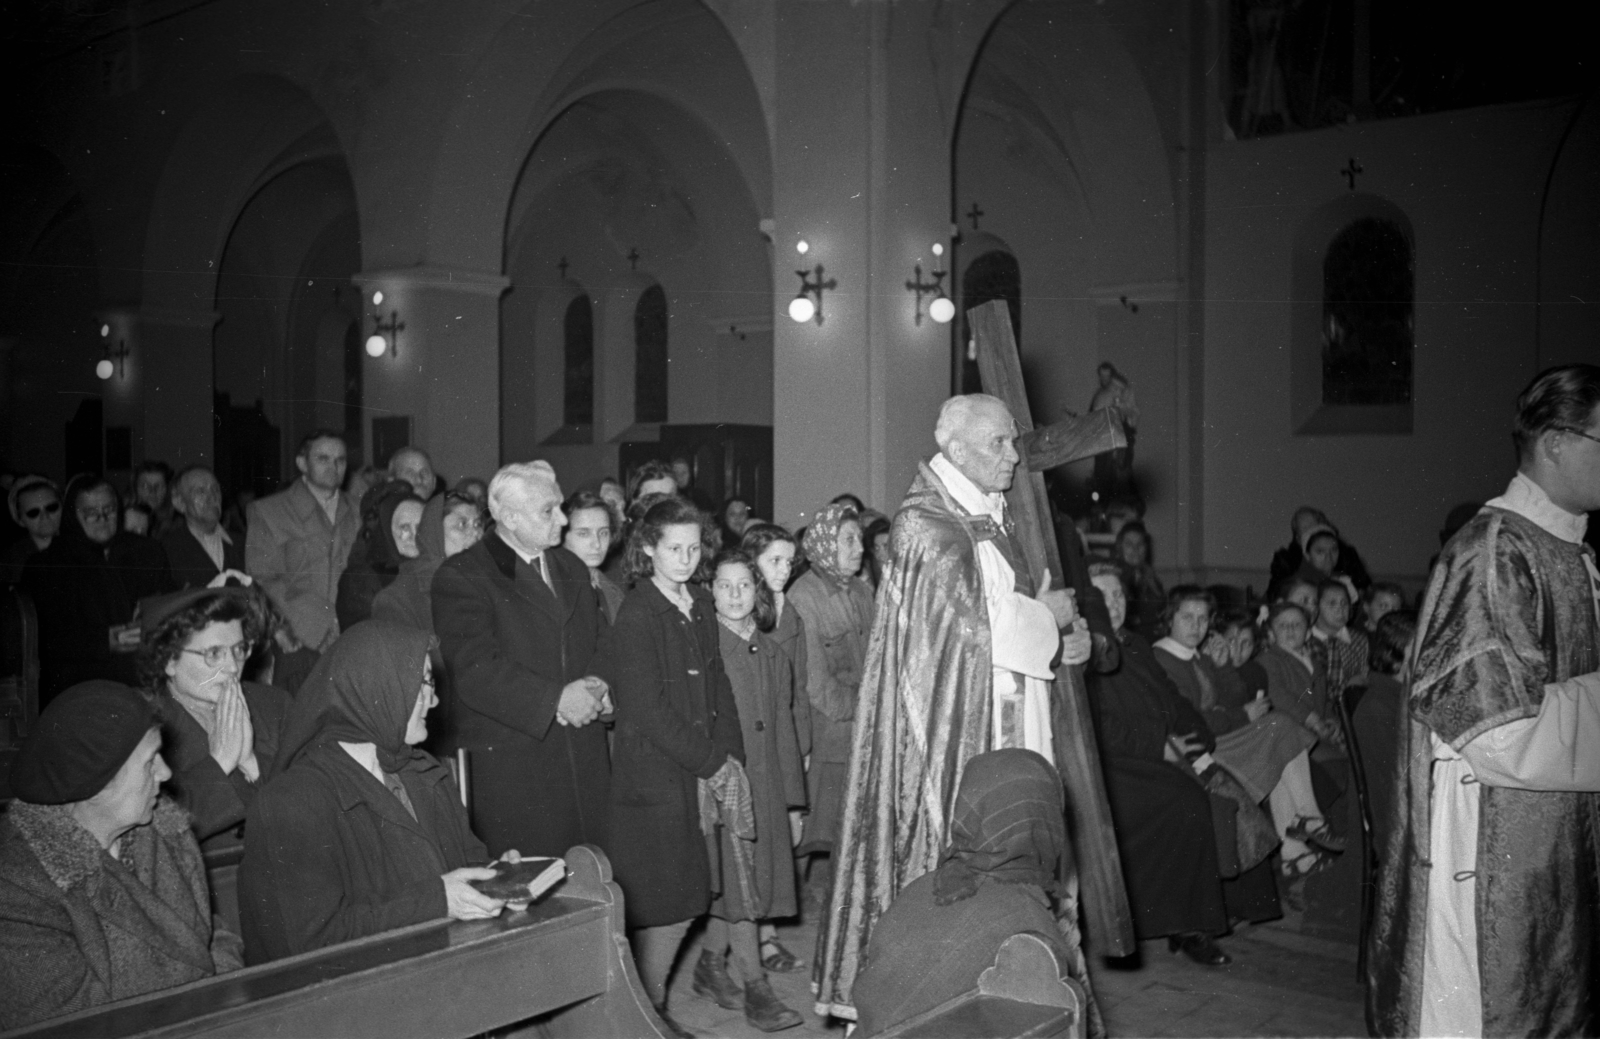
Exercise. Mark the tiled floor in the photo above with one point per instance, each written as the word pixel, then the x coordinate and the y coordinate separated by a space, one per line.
pixel 1281 983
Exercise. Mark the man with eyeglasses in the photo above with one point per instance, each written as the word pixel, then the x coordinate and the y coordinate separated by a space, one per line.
pixel 35 505
pixel 86 587
pixel 1489 906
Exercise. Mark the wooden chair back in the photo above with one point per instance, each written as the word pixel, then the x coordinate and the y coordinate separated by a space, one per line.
pixel 19 677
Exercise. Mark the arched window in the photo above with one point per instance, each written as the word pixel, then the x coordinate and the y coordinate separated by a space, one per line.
pixel 1367 297
pixel 993 275
pixel 650 356
pixel 578 379
pixel 1352 292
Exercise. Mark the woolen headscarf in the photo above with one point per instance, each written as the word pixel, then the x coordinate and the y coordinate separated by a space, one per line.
pixel 377 519
pixel 361 691
pixel 83 737
pixel 822 540
pixel 1008 826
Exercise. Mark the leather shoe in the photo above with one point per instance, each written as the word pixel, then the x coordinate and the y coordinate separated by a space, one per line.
pixel 765 1010
pixel 712 981
pixel 1200 948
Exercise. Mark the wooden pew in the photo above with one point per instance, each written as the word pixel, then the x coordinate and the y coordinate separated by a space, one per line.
pixel 561 969
pixel 1025 993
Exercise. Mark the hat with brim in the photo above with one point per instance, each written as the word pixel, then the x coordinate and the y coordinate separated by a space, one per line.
pixel 154 610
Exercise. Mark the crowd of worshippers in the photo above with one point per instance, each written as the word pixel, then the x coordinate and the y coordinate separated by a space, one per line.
pixel 621 667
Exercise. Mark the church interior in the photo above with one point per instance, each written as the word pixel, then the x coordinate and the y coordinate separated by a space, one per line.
pixel 1324 243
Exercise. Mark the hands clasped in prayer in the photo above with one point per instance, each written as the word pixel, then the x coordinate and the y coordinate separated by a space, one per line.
pixel 231 735
pixel 583 701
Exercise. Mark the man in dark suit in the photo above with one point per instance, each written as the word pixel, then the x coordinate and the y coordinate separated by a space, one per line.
pixel 198 549
pixel 518 622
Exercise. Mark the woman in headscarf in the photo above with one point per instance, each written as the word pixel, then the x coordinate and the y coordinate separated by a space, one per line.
pixel 996 878
pixel 221 731
pixel 360 831
pixel 835 606
pixel 391 515
pixel 86 585
pixel 102 890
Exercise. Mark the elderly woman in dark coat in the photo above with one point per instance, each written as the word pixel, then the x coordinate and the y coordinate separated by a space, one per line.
pixel 996 879
pixel 221 732
pixel 86 585
pixel 102 889
pixel 677 724
pixel 390 516
pixel 360 832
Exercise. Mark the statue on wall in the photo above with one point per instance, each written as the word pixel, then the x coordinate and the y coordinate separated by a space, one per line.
pixel 1113 470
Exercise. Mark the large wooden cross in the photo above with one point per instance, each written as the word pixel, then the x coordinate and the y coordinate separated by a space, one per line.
pixel 1094 841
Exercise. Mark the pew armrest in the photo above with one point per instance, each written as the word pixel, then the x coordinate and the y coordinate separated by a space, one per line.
pixel 1025 993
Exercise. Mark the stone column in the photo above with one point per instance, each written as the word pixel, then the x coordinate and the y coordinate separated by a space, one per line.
pixel 862 173
pixel 445 369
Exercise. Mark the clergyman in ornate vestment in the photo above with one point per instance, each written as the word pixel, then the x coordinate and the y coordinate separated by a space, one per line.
pixel 1489 903
pixel 960 662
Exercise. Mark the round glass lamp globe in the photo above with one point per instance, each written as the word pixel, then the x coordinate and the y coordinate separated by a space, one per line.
pixel 376 345
pixel 942 310
pixel 802 309
pixel 103 369
pixel 377 297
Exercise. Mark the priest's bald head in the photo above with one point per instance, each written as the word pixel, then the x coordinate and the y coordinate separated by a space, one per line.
pixel 978 435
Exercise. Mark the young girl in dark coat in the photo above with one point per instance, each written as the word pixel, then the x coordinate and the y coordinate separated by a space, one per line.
pixel 676 724
pixel 763 686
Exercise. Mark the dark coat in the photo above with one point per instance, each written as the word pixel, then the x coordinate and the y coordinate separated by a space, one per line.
pixel 82 590
pixel 79 928
pixel 334 856
pixel 677 722
pixel 217 803
pixel 188 562
pixel 510 647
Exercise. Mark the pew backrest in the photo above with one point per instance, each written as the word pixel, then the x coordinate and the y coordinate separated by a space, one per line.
pixel 1025 994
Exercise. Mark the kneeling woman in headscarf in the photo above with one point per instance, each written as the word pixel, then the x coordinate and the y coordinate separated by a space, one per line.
pixel 359 831
pixel 102 890
pixel 995 879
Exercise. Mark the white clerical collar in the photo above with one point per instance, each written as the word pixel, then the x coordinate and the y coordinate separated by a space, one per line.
pixel 965 492
pixel 1528 500
pixel 525 557
pixel 1176 648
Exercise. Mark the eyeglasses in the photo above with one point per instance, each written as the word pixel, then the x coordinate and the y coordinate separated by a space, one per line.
pixel 1578 432
pixel 108 512
pixel 214 655
pixel 38 510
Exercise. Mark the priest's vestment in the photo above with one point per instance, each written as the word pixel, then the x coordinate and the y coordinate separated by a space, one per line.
pixel 1489 902
pixel 955 667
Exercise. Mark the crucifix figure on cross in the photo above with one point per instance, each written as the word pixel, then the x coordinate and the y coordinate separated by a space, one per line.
pixel 633 258
pixel 973 214
pixel 561 266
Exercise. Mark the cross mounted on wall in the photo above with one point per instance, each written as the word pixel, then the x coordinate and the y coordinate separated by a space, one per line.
pixel 633 258
pixel 1350 170
pixel 973 214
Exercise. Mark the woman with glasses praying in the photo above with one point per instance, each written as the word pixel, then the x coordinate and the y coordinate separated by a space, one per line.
pixel 221 732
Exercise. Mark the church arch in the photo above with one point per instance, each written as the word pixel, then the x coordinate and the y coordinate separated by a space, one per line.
pixel 989 270
pixel 1352 340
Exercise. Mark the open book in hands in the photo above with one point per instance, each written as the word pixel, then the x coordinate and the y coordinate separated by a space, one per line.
pixel 522 881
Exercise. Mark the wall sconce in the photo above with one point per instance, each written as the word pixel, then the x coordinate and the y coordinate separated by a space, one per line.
pixel 384 337
pixel 802 308
pixel 120 355
pixel 940 309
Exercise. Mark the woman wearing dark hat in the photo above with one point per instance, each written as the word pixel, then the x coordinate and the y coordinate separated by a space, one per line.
pixel 221 732
pixel 102 889
pixel 360 831
pixel 995 879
